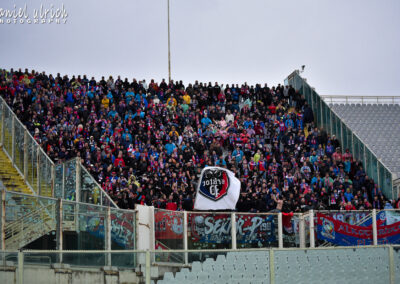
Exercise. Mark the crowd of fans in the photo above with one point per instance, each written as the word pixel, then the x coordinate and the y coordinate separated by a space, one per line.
pixel 146 143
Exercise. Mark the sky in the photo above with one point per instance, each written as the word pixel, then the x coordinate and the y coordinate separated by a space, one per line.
pixel 349 47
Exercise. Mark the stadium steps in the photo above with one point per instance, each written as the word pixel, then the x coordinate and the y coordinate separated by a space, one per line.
pixel 30 227
pixel 236 267
pixel 10 177
pixel 45 189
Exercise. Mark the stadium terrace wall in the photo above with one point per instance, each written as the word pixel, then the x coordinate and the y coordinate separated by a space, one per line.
pixel 69 180
pixel 325 117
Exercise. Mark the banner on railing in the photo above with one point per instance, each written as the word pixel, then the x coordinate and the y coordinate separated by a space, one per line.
pixel 216 229
pixel 168 225
pixel 344 234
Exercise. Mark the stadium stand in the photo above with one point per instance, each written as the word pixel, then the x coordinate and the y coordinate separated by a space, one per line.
pixel 284 161
pixel 377 125
pixel 146 143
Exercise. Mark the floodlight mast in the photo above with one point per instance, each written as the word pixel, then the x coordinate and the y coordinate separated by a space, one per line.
pixel 169 50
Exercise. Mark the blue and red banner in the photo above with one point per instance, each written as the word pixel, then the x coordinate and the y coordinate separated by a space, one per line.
pixel 344 234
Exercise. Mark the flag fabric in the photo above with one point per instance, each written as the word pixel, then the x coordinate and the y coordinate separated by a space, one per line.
pixel 218 189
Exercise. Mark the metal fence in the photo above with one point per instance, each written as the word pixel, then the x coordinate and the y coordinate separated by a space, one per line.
pixel 25 218
pixel 69 180
pixel 375 264
pixel 361 99
pixel 328 119
pixel 215 230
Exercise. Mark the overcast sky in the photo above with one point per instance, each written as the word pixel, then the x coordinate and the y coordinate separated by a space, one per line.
pixel 348 47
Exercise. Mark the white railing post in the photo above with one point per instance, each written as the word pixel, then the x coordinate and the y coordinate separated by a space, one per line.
pixel 39 191
pixel 233 230
pixel 312 236
pixel 63 181
pixel 185 236
pixel 391 266
pixel 78 180
pixel 374 228
pixel 302 238
pixel 108 236
pixel 20 267
pixel 3 220
pixel 59 230
pixel 53 179
pixel 26 137
pixel 280 232
pixel 148 268
pixel 271 266
pixel 2 123
pixel 12 139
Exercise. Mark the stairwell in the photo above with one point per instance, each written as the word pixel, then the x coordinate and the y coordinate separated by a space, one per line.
pixel 10 177
pixel 30 227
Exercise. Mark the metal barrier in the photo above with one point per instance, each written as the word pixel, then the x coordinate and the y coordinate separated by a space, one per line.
pixel 215 230
pixel 328 119
pixel 69 180
pixel 25 218
pixel 322 265
pixel 361 99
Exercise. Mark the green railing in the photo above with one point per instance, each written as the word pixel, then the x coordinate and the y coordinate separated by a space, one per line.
pixel 327 118
pixel 375 264
pixel 96 227
pixel 69 180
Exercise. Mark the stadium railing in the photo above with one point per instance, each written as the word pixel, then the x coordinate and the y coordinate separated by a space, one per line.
pixel 214 230
pixel 338 99
pixel 25 218
pixel 327 118
pixel 376 263
pixel 69 180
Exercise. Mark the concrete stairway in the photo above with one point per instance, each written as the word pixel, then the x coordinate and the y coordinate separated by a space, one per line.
pixel 11 179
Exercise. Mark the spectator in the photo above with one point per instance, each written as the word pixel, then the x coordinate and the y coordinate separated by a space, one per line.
pixel 147 143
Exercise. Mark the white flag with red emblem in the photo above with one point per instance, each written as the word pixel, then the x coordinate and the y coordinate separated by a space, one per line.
pixel 218 189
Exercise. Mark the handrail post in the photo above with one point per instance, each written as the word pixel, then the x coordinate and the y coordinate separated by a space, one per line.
pixel 26 155
pixel 312 236
pixel 148 268
pixel 13 139
pixel 39 191
pixel 302 238
pixel 271 266
pixel 78 180
pixel 391 266
pixel 280 230
pixel 374 228
pixel 3 220
pixel 185 236
pixel 63 182
pixel 233 230
pixel 20 267
pixel 108 236
pixel 53 179
pixel 2 123
pixel 59 228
